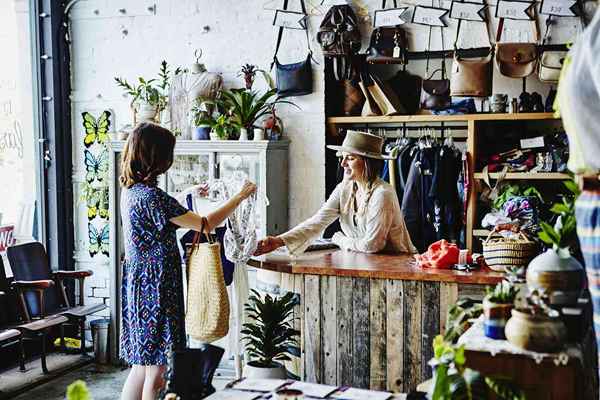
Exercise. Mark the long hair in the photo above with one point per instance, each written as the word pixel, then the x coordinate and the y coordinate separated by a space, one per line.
pixel 147 154
pixel 372 170
pixel 373 167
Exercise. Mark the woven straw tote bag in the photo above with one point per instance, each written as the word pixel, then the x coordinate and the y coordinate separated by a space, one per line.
pixel 207 313
pixel 500 253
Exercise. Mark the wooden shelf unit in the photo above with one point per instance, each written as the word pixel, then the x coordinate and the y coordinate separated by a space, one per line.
pixel 474 122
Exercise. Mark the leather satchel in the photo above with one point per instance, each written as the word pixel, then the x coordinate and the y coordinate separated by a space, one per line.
pixel 370 107
pixel 435 93
pixel 551 63
pixel 471 77
pixel 408 89
pixel 338 33
pixel 293 79
pixel 388 45
pixel 516 60
pixel 385 98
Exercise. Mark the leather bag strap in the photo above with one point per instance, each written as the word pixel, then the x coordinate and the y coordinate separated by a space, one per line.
pixel 487 30
pixel 383 4
pixel 281 29
pixel 534 24
pixel 203 231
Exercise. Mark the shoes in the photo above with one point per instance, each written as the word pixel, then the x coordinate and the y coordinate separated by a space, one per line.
pixel 525 104
pixel 537 104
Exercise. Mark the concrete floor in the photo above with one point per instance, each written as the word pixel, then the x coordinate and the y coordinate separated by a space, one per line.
pixel 104 382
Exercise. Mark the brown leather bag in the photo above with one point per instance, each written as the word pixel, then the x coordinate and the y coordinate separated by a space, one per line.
pixel 408 88
pixel 435 93
pixel 388 44
pixel 471 77
pixel 339 35
pixel 517 60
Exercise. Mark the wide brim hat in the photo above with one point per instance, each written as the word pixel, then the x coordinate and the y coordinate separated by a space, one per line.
pixel 361 143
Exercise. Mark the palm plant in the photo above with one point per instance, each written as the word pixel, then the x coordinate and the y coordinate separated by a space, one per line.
pixel 269 334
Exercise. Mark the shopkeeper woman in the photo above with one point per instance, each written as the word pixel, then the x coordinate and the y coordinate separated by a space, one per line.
pixel 152 292
pixel 367 207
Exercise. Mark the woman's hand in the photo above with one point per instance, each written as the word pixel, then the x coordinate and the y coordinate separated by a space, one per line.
pixel 268 244
pixel 247 190
pixel 200 190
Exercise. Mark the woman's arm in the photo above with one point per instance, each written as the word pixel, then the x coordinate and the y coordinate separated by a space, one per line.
pixel 192 220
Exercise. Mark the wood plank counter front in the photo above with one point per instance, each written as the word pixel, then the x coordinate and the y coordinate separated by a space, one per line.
pixel 366 320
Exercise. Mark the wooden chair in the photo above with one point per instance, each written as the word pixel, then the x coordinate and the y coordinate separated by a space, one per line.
pixel 42 294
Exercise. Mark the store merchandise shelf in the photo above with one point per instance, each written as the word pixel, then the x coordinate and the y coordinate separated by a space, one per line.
pixel 526 175
pixel 441 118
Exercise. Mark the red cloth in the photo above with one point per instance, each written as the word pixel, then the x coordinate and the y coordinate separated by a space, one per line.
pixel 440 254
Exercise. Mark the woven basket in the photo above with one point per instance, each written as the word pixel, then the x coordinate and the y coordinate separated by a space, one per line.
pixel 207 312
pixel 500 253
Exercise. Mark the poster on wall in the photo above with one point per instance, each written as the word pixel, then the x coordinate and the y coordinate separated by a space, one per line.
pixel 467 11
pixel 559 8
pixel 519 10
pixel 430 16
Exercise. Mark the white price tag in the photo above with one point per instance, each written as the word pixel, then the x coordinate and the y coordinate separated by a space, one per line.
pixel 561 8
pixel 289 19
pixel 467 11
pixel 532 143
pixel 514 9
pixel 390 17
pixel 430 16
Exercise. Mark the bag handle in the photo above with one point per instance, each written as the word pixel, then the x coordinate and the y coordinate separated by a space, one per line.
pixel 487 29
pixel 280 33
pixel 383 4
pixel 501 176
pixel 203 226
pixel 536 29
pixel 443 68
pixel 507 227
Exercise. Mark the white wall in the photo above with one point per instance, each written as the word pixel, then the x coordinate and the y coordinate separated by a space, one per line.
pixel 126 38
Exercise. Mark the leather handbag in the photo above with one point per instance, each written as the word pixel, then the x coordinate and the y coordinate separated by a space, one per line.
pixel 551 61
pixel 338 34
pixel 370 107
pixel 471 77
pixel 517 60
pixel 207 311
pixel 388 45
pixel 293 79
pixel 435 93
pixel 385 98
pixel 408 89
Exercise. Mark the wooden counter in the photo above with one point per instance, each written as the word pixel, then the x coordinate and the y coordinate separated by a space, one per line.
pixel 361 265
pixel 366 320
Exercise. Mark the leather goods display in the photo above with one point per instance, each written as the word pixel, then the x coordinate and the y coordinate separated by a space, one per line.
pixel 338 34
pixel 388 45
pixel 293 79
pixel 471 77
pixel 435 93
pixel 370 107
pixel 551 61
pixel 385 97
pixel 207 311
pixel 408 89
pixel 517 60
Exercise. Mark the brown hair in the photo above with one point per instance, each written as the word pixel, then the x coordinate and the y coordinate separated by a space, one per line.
pixel 373 167
pixel 147 154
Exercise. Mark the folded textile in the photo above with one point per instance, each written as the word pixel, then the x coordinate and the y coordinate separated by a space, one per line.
pixel 440 254
pixel 465 106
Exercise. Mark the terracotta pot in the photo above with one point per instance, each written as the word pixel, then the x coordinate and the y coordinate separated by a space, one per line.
pixel 495 317
pixel 254 370
pixel 536 332
pixel 561 277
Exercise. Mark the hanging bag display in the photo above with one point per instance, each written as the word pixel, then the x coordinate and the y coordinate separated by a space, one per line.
pixel 207 311
pixel 293 79
pixel 551 61
pixel 471 77
pixel 339 35
pixel 408 89
pixel 388 44
pixel 435 93
pixel 348 95
pixel 370 107
pixel 517 60
pixel 385 98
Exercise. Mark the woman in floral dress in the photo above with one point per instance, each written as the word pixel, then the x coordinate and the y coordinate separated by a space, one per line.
pixel 152 287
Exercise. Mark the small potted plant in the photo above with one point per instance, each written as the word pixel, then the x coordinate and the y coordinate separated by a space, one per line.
pixel 222 128
pixel 497 305
pixel 149 96
pixel 201 130
pixel 269 335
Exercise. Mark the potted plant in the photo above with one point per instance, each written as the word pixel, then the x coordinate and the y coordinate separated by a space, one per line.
pixel 556 271
pixel 201 130
pixel 249 72
pixel 149 96
pixel 497 305
pixel 222 127
pixel 269 335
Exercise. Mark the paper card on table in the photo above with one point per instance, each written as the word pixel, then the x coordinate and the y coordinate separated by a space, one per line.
pixel 313 389
pixel 233 395
pixel 260 385
pixel 361 394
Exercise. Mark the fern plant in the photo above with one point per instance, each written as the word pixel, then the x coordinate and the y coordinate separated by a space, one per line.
pixel 269 334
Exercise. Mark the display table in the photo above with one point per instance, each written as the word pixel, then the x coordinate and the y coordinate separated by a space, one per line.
pixel 366 320
pixel 566 374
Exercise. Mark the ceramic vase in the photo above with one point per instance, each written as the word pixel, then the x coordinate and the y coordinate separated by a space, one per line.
pixel 201 133
pixel 253 370
pixel 495 317
pixel 243 134
pixel 259 134
pixel 146 112
pixel 560 276
pixel 539 333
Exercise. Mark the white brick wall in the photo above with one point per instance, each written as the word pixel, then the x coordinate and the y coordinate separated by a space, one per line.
pixel 126 38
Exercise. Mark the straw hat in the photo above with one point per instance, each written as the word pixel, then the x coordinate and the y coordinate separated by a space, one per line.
pixel 361 143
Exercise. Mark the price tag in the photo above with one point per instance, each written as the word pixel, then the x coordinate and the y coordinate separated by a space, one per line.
pixel 467 11
pixel 289 19
pixel 560 8
pixel 389 17
pixel 335 2
pixel 532 143
pixel 430 16
pixel 514 10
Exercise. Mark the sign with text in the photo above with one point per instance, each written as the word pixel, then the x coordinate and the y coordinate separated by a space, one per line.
pixel 467 11
pixel 334 2
pixel 430 16
pixel 559 8
pixel 389 17
pixel 290 19
pixel 520 10
pixel 6 237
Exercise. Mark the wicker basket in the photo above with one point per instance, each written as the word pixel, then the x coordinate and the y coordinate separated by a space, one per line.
pixel 500 253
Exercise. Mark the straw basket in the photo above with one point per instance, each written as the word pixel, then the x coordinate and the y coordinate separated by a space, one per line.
pixel 207 313
pixel 500 253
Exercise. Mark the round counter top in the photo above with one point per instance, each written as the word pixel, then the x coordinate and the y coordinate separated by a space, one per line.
pixel 361 265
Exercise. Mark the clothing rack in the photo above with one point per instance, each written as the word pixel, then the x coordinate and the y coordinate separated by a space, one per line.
pixel 409 131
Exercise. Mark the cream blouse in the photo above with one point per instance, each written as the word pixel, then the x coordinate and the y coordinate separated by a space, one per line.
pixel 379 227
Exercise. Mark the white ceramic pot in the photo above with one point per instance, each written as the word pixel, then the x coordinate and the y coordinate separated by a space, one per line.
pixel 259 134
pixel 243 134
pixel 146 112
pixel 560 275
pixel 213 135
pixel 252 370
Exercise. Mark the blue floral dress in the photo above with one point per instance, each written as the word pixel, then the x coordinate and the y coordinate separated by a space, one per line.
pixel 152 291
